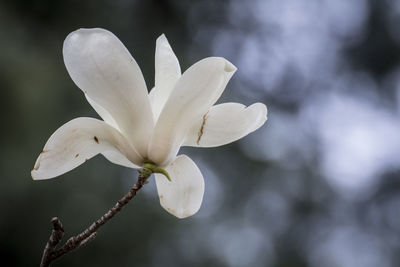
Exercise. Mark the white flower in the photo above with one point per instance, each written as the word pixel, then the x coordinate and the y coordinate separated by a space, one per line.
pixel 140 127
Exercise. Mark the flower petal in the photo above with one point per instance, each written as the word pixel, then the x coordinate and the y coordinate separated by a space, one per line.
pixel 113 156
pixel 226 123
pixel 77 141
pixel 118 158
pixel 194 93
pixel 103 113
pixel 103 68
pixel 182 196
pixel 167 73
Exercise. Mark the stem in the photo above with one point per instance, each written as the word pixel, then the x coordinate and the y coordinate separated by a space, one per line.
pixel 50 252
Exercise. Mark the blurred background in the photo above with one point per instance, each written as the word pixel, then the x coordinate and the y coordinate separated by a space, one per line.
pixel 317 185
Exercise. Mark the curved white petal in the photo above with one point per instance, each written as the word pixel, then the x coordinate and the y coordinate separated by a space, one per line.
pixel 226 123
pixel 77 141
pixel 182 196
pixel 118 158
pixel 103 113
pixel 152 101
pixel 194 93
pixel 167 73
pixel 103 68
pixel 113 156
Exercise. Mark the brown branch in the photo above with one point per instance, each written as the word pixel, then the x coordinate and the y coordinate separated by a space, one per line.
pixel 50 252
pixel 55 237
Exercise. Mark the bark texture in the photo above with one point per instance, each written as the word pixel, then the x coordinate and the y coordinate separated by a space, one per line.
pixel 51 252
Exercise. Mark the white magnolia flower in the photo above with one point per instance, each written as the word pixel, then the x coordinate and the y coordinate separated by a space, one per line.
pixel 138 127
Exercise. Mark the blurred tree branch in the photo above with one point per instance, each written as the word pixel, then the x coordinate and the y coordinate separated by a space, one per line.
pixel 51 253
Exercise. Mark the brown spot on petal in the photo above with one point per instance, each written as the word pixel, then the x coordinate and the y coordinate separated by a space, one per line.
pixel 200 134
pixel 77 155
pixel 96 139
pixel 37 164
pixel 36 167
